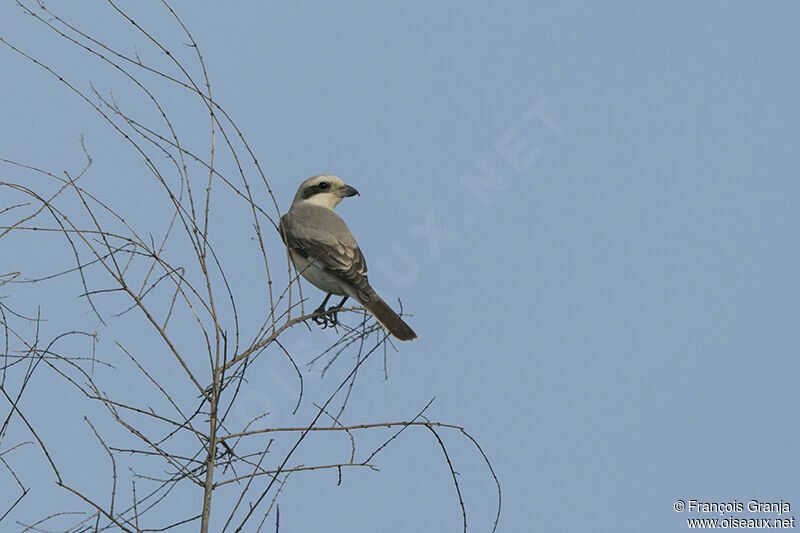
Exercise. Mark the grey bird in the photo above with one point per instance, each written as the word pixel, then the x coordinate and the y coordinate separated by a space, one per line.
pixel 326 254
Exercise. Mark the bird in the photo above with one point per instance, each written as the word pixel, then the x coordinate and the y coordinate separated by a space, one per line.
pixel 326 254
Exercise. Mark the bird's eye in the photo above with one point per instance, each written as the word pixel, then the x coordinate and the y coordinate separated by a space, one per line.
pixel 324 185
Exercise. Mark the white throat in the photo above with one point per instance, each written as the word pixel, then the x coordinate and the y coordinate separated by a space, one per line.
pixel 327 199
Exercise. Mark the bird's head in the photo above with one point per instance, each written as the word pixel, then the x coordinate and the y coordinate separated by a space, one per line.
pixel 324 190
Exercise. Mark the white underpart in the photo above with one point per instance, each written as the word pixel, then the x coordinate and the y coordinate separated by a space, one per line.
pixel 320 278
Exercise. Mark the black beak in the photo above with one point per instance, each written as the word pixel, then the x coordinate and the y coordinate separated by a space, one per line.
pixel 346 191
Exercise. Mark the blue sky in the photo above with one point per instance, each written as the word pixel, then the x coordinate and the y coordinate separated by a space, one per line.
pixel 613 316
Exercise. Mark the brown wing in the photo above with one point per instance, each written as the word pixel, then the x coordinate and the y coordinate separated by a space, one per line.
pixel 337 254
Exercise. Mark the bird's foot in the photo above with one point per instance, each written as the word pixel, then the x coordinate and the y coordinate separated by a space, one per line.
pixel 333 317
pixel 321 320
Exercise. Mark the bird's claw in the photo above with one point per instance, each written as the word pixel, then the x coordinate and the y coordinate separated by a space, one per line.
pixel 333 317
pixel 330 319
pixel 321 320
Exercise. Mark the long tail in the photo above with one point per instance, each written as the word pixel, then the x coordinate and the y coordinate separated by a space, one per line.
pixel 388 318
